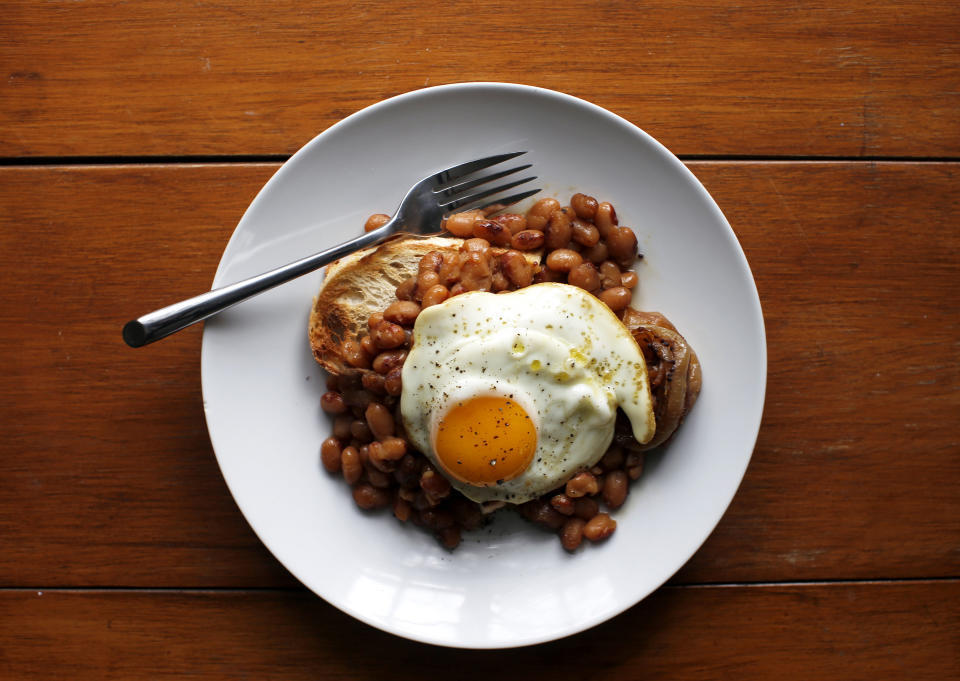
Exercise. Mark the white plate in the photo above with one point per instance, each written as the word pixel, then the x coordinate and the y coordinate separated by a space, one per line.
pixel 510 585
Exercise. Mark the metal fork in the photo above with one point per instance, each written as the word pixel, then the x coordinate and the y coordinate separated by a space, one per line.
pixel 421 212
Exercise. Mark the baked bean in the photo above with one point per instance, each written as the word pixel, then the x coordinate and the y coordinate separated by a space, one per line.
pixel 494 232
pixel 540 212
pixel 622 243
pixel 562 503
pixel 605 219
pixel 341 427
pixel 423 501
pixel 430 262
pixel 389 360
pixel 475 274
pixel 613 459
pixel 405 491
pixel 433 484
pixel 435 294
pixel 585 507
pixel 581 485
pixel 634 465
pixel 330 454
pixel 558 230
pixel 599 527
pixel 394 448
pixel 375 221
pixel 615 489
pixel 374 383
pixel 527 240
pixel 517 269
pixel 449 269
pixel 512 221
pixel 585 276
pixel 563 260
pixel 361 431
pixel 499 283
pixel 597 253
pixel 368 346
pixel 388 335
pixel 357 399
pixel 374 475
pixel 571 534
pixel 332 403
pixel 348 382
pixel 408 494
pixel 401 509
pixel 402 312
pixel 393 381
pixel 629 279
pixel 333 382
pixel 406 288
pixel 449 537
pixel 437 518
pixel 544 207
pixel 425 280
pixel 468 513
pixel 408 473
pixel 457 289
pixel 461 224
pixel 369 497
pixel 380 421
pixel 377 460
pixel 374 320
pixel 584 233
pixel 542 513
pixel 353 353
pixel 616 298
pixel 475 246
pixel 584 206
pixel 351 465
pixel 609 274
pixel 545 274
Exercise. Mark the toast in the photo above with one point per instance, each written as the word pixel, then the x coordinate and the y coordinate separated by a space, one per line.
pixel 362 283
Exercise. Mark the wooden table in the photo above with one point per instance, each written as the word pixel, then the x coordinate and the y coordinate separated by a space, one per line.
pixel 829 136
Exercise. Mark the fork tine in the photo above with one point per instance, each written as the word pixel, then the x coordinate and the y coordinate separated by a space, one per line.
pixel 473 198
pixel 510 200
pixel 456 172
pixel 463 201
pixel 470 184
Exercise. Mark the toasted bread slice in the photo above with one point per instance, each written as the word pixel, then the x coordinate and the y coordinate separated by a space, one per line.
pixel 673 367
pixel 362 283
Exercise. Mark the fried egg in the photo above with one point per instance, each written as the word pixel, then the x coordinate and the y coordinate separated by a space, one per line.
pixel 512 394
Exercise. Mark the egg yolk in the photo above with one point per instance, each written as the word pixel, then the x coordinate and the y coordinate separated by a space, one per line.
pixel 485 440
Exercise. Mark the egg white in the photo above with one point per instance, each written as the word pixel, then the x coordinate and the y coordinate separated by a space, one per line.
pixel 556 350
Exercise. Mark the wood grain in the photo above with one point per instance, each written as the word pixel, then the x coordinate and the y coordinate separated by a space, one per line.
pixel 850 79
pixel 108 474
pixel 845 631
pixel 857 272
pixel 111 475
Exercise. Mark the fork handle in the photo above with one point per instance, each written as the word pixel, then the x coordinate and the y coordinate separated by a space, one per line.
pixel 167 320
